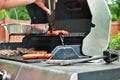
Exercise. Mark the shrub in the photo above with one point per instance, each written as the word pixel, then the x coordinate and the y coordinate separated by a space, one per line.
pixel 19 13
pixel 2 14
pixel 114 42
pixel 115 10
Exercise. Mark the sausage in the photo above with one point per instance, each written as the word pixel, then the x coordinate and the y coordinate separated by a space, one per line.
pixel 58 32
pixel 36 56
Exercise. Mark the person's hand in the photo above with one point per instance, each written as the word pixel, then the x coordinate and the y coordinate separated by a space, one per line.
pixel 41 3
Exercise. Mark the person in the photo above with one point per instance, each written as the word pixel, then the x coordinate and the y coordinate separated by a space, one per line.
pixel 38 17
pixel 6 4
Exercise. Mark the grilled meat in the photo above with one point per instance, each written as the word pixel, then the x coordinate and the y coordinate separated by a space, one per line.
pixel 25 50
pixel 30 51
pixel 9 52
pixel 36 56
pixel 20 51
pixel 58 32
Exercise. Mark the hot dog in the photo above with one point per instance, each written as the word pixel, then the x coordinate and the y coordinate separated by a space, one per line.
pixel 36 56
pixel 58 32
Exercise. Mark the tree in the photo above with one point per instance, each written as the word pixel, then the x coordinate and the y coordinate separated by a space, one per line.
pixel 118 8
pixel 115 10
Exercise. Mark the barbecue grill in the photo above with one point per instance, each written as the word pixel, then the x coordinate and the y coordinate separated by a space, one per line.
pixel 88 22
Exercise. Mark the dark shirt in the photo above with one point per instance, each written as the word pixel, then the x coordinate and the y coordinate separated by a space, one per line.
pixel 37 15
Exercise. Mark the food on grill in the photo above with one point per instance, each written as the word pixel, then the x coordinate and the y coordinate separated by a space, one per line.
pixel 30 51
pixel 9 52
pixel 25 53
pixel 58 32
pixel 25 50
pixel 36 56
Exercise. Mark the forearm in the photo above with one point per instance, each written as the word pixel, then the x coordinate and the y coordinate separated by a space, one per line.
pixel 1 4
pixel 14 3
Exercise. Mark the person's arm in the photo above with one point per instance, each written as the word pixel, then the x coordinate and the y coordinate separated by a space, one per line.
pixel 5 4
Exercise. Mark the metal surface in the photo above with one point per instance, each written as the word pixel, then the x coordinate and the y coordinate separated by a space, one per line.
pixel 97 40
pixel 30 72
pixel 81 71
pixel 11 69
pixel 108 57
pixel 22 28
pixel 16 28
pixel 66 52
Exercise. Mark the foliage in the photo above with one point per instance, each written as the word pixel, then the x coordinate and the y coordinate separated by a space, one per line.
pixel 114 42
pixel 19 13
pixel 115 10
pixel 1 13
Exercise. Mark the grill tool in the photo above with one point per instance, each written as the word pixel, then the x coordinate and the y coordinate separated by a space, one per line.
pixel 51 17
pixel 108 56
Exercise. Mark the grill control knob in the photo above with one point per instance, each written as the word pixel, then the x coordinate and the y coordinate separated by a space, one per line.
pixel 4 75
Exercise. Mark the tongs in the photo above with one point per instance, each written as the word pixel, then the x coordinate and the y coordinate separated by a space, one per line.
pixel 51 17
